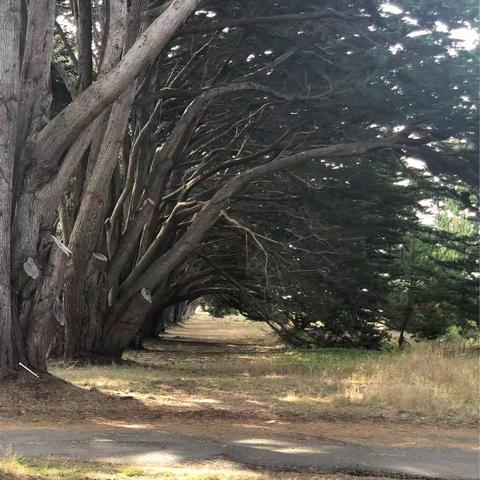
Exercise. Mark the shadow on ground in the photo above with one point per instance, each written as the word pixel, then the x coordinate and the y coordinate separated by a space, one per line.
pixel 154 447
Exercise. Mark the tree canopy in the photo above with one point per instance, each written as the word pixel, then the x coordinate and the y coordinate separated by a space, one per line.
pixel 257 154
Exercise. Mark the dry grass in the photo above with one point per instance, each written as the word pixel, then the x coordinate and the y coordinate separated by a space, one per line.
pixel 418 385
pixel 213 384
pixel 203 383
pixel 16 468
pixel 422 383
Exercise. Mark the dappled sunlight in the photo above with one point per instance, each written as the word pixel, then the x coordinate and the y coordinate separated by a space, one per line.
pixel 169 401
pixel 207 401
pixel 290 397
pixel 138 469
pixel 234 405
pixel 308 401
pixel 281 446
pixel 154 457
pixel 354 393
pixel 131 426
pixel 307 385
pixel 290 386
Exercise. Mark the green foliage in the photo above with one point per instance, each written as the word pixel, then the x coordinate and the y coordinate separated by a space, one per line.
pixel 320 358
pixel 333 251
pixel 216 308
pixel 436 291
pixel 453 333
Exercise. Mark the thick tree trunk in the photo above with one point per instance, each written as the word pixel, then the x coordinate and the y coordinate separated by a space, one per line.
pixel 127 315
pixel 86 295
pixel 33 273
pixel 34 169
pixel 83 289
pixel 157 323
pixel 41 326
pixel 9 78
pixel 118 335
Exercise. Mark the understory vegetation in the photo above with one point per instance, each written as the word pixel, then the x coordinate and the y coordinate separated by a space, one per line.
pixel 257 383
pixel 420 385
pixel 430 382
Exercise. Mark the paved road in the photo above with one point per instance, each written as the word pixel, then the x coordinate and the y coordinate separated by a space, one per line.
pixel 156 447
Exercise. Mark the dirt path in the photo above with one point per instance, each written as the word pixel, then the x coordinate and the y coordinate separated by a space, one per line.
pixel 141 447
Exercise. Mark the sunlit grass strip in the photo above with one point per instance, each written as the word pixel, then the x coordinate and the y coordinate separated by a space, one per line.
pixel 424 383
pixel 18 468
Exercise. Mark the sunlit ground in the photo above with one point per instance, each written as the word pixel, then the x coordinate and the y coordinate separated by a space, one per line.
pixel 195 378
pixel 412 385
pixel 265 383
pixel 220 378
pixel 16 468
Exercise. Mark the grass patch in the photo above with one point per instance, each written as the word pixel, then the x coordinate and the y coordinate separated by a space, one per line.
pixel 221 387
pixel 413 385
pixel 17 468
pixel 189 380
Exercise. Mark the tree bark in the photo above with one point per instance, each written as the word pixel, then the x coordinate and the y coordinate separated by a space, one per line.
pixel 84 44
pixel 127 315
pixel 85 294
pixel 34 169
pixel 60 132
pixel 84 288
pixel 9 81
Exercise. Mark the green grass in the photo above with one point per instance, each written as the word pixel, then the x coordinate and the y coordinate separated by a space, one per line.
pixel 316 359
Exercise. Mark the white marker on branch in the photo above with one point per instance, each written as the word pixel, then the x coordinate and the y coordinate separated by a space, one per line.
pixel 28 370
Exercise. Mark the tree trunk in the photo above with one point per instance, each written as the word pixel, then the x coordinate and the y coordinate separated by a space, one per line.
pixel 407 314
pixel 127 315
pixel 85 298
pixel 9 77
pixel 84 290
pixel 84 44
pixel 35 164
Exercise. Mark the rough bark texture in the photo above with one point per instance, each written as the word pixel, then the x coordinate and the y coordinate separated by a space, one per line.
pixel 83 314
pixel 34 88
pixel 9 77
pixel 127 316
pixel 30 292
pixel 84 44
pixel 84 292
pixel 52 141
pixel 33 168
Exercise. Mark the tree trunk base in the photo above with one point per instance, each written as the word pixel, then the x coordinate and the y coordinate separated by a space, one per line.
pixel 90 358
pixel 22 376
